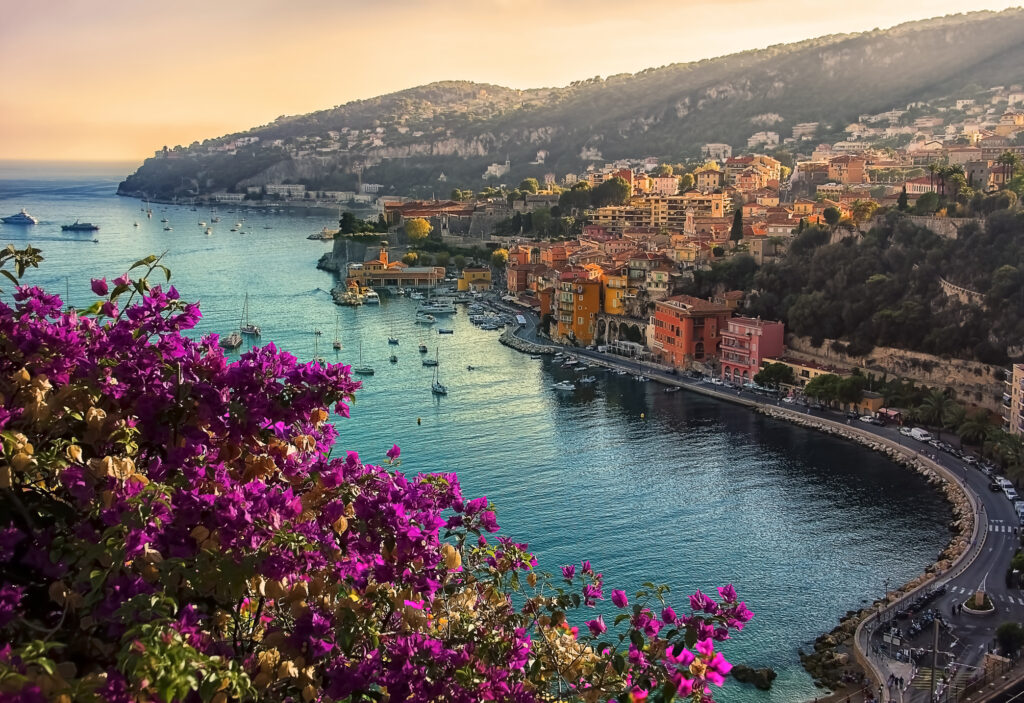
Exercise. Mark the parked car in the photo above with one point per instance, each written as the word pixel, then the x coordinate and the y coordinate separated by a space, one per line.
pixel 970 459
pixel 852 415
pixel 995 487
pixel 878 422
pixel 866 418
pixel 789 399
pixel 906 432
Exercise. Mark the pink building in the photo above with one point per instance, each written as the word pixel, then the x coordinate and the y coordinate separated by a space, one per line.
pixel 745 342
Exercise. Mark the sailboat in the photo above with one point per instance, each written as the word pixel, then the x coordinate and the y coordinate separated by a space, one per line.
pixel 248 327
pixel 393 358
pixel 392 339
pixel 337 336
pixel 423 347
pixel 361 369
pixel 437 387
pixel 317 359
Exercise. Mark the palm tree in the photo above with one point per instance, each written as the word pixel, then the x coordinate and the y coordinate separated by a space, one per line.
pixel 933 409
pixel 975 429
pixel 954 417
pixel 932 170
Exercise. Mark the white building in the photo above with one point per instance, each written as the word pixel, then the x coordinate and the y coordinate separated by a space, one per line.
pixel 805 130
pixel 497 170
pixel 286 190
pixel 765 138
pixel 716 152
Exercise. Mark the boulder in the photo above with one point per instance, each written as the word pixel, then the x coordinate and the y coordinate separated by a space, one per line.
pixel 761 678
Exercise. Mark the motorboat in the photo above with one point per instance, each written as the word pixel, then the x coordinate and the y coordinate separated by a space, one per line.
pixel 232 341
pixel 371 297
pixel 167 228
pixel 416 295
pixel 425 318
pixel 79 226
pixel 20 218
pixel 445 330
pixel 429 362
pixel 423 348
pixel 209 231
pixel 438 306
pixel 588 379
pixel 535 357
pixel 393 358
pixel 564 386
pixel 672 389
pixel 640 378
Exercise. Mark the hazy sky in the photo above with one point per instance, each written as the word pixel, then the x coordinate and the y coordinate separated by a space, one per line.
pixel 117 79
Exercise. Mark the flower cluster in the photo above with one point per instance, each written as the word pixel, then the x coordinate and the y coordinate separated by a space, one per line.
pixel 177 527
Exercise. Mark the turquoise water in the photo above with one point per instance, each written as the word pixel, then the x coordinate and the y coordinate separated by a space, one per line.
pixel 698 494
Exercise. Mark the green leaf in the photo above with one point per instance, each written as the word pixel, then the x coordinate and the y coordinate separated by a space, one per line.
pixel 637 639
pixel 144 262
pixel 621 617
pixel 618 663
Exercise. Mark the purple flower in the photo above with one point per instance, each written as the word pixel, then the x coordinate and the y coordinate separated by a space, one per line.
pixel 393 453
pixel 619 598
pixel 99 286
pixel 122 280
pixel 728 593
pixel 10 599
pixel 586 568
pixel 568 572
pixel 668 615
pixel 476 505
pixel 597 626
pixel 488 521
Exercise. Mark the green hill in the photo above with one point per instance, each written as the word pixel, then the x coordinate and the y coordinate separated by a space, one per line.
pixel 409 138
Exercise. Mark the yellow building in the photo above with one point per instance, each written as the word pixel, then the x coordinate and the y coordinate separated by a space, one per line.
pixel 475 279
pixel 663 211
pixel 613 288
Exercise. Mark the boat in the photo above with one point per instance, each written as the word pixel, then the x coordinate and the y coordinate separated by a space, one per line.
pixel 564 386
pixel 135 224
pixel 423 348
pixel 416 295
pixel 445 330
pixel 209 230
pixel 371 297
pixel 535 357
pixel 215 219
pixel 202 223
pixel 167 228
pixel 21 218
pixel 164 219
pixel 232 341
pixel 438 388
pixel 393 358
pixel 640 378
pixel 78 226
pixel 337 335
pixel 392 339
pixel 672 389
pixel 436 307
pixel 427 361
pixel 234 229
pixel 248 327
pixel 425 318
pixel 317 359
pixel 362 370
pixel 588 379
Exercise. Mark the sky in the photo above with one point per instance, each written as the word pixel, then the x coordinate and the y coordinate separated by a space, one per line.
pixel 117 79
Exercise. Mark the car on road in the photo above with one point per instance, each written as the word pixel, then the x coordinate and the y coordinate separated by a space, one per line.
pixel 852 415
pixel 970 459
pixel 867 418
pixel 906 432
pixel 878 422
pixel 995 487
pixel 789 399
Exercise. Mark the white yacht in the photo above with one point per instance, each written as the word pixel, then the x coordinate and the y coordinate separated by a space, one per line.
pixel 371 297
pixel 564 386
pixel 21 218
pixel 425 318
pixel 438 306
pixel 416 295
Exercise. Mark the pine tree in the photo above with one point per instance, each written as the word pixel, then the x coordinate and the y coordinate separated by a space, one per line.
pixel 902 202
pixel 736 233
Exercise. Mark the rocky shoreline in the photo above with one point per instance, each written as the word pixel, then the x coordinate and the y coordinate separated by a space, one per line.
pixel 832 655
pixel 509 339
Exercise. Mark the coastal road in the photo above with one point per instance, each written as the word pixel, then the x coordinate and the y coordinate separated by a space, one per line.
pixel 968 637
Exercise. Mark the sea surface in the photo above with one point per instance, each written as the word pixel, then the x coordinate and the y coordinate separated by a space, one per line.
pixel 672 488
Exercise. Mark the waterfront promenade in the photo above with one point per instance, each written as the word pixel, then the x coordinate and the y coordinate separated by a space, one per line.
pixel 992 542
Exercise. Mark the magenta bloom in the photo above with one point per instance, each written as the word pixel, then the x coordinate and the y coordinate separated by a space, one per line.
pixel 684 686
pixel 619 598
pixel 122 280
pixel 706 647
pixel 568 572
pixel 668 615
pixel 586 568
pixel 683 659
pixel 476 505
pixel 99 286
pixel 597 626
pixel 728 593
pixel 393 452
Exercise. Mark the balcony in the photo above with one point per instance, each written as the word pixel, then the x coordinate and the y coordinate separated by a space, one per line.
pixel 1006 400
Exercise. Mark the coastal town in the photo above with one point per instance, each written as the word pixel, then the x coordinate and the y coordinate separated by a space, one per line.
pixel 600 352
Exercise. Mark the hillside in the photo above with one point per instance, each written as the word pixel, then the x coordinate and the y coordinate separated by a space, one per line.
pixel 409 138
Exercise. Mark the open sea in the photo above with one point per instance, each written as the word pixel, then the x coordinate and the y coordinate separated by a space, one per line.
pixel 672 488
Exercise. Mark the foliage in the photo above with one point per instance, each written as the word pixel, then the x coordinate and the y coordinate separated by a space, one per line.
pixel 686 182
pixel 529 185
pixel 1010 636
pixel 417 229
pixel 499 258
pixel 883 289
pixel 663 170
pixel 736 231
pixel 459 261
pixel 902 202
pixel 410 258
pixel 775 374
pixel 614 191
pixel 350 224
pixel 175 527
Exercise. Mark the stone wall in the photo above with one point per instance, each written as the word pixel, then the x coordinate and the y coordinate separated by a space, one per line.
pixel 342 253
pixel 964 295
pixel 973 381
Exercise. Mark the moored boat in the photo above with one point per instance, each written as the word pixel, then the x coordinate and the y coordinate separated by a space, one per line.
pixel 79 226
pixel 20 218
